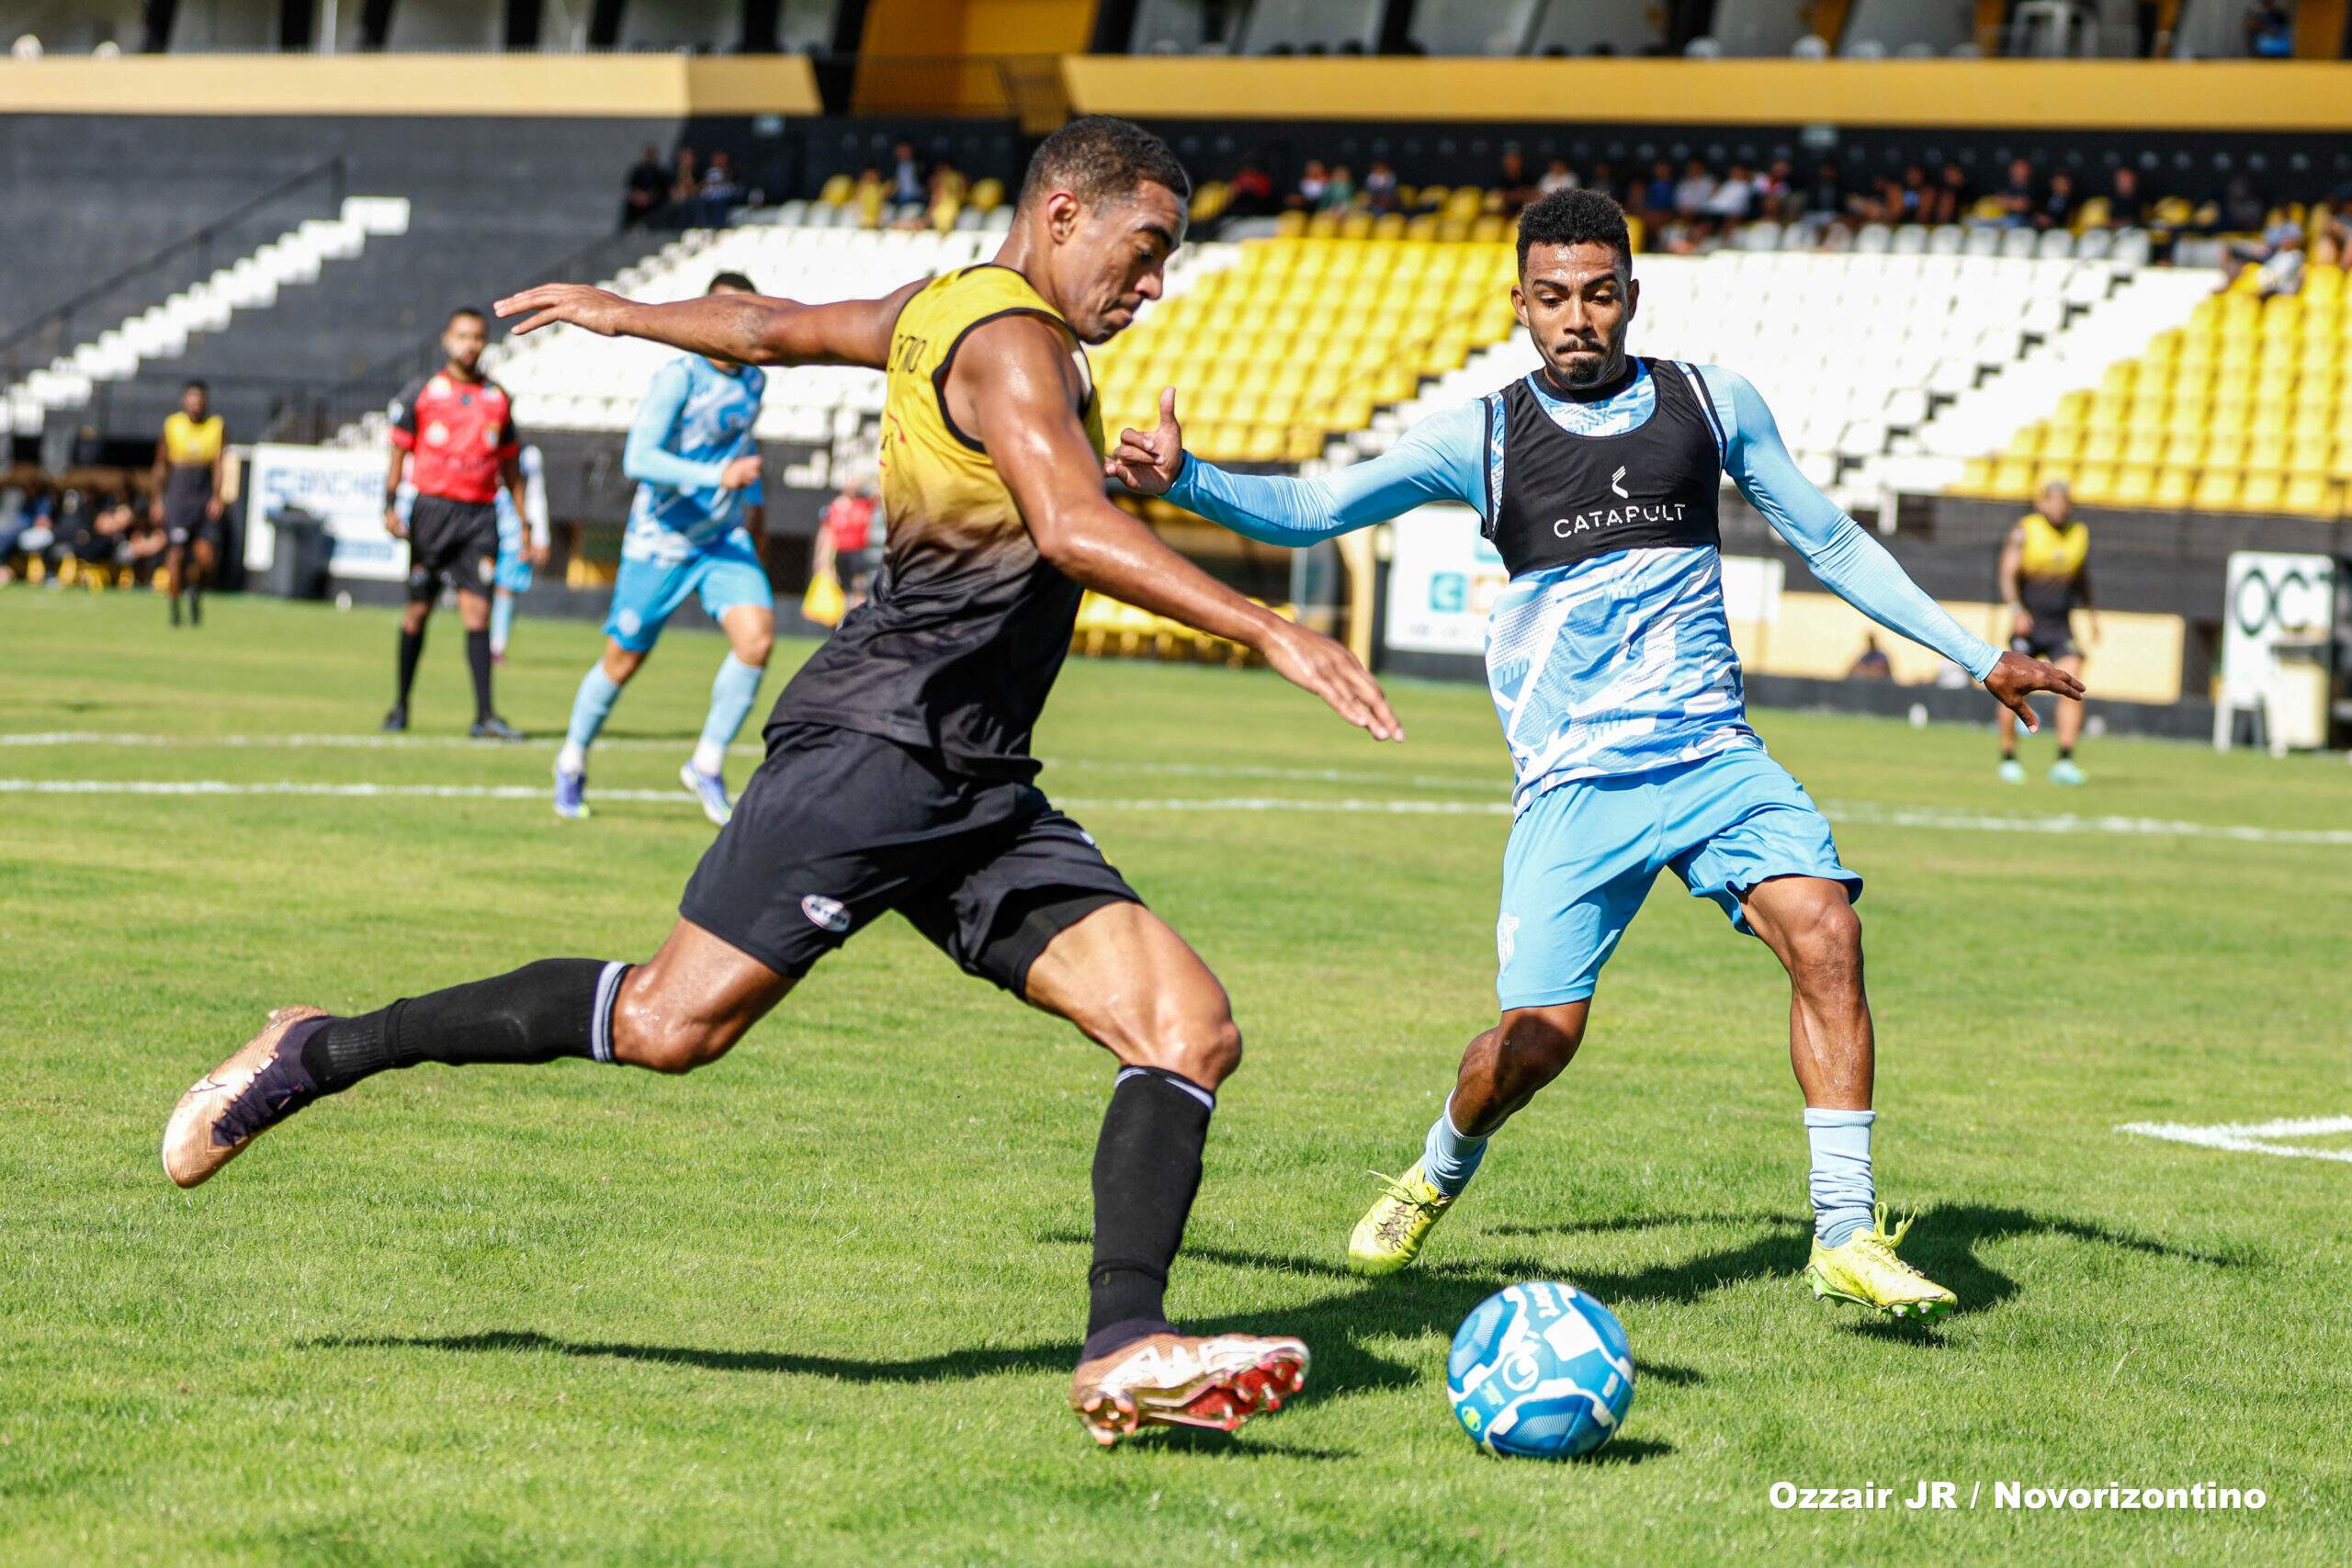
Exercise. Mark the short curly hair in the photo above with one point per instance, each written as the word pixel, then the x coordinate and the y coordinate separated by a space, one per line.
pixel 1574 216
pixel 1101 158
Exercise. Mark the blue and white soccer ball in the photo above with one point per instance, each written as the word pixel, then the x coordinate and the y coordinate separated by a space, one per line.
pixel 1541 1370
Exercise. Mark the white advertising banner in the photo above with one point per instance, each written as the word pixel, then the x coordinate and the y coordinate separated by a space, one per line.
pixel 2272 598
pixel 1443 577
pixel 342 487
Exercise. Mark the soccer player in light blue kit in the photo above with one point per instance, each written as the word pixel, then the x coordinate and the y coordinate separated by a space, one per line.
pixel 521 546
pixel 692 530
pixel 1610 659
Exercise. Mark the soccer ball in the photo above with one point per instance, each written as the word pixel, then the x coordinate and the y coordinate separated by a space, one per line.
pixel 1541 1370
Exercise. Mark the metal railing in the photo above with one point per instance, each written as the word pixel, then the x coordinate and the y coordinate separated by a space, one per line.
pixel 190 258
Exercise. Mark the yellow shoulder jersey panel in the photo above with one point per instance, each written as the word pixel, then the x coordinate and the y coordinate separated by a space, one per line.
pixel 191 441
pixel 936 479
pixel 2052 551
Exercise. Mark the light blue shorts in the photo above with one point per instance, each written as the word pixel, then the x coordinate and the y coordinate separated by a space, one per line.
pixel 1583 855
pixel 726 574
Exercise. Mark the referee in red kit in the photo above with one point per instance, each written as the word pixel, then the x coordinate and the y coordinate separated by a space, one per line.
pixel 453 432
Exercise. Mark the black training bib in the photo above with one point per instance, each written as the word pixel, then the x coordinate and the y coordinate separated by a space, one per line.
pixel 1568 497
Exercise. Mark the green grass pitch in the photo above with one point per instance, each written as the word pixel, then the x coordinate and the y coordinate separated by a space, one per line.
pixel 819 1303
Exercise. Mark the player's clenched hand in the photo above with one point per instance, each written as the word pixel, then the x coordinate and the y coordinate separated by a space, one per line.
pixel 740 473
pixel 598 309
pixel 1147 462
pixel 1315 662
pixel 2016 677
pixel 392 523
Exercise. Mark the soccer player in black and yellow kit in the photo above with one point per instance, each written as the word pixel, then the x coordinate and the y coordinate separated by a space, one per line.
pixel 2045 578
pixel 899 773
pixel 187 490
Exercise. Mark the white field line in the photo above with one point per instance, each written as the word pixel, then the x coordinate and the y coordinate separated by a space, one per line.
pixel 2252 1137
pixel 1862 812
pixel 68 738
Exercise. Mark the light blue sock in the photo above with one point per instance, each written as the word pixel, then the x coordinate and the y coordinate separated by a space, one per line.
pixel 589 708
pixel 502 621
pixel 1448 1158
pixel 1843 1193
pixel 732 691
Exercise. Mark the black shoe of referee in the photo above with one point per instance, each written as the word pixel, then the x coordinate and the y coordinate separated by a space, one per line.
pixel 396 721
pixel 492 728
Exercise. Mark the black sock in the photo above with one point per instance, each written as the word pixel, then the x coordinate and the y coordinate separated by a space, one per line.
pixel 477 660
pixel 541 1012
pixel 196 601
pixel 411 648
pixel 2066 753
pixel 1147 1168
pixel 2008 753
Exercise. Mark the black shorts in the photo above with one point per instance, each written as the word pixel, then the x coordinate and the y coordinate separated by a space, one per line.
pixel 837 827
pixel 2051 639
pixel 186 521
pixel 453 539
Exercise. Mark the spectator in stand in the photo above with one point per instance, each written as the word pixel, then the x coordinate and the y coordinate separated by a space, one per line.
pixel 2243 208
pixel 686 180
pixel 1658 193
pixel 868 195
pixel 1557 175
pixel 2017 195
pixel 1251 192
pixel 2269 30
pixel 1915 194
pixel 906 175
pixel 1696 188
pixel 1339 194
pixel 2057 209
pixel 949 188
pixel 2278 258
pixel 24 528
pixel 1871 664
pixel 647 187
pixel 721 191
pixel 2124 207
pixel 1952 198
pixel 1380 187
pixel 1824 198
pixel 1312 182
pixel 1511 183
pixel 1731 200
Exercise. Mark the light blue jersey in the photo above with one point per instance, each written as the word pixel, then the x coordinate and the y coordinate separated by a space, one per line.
pixel 1621 663
pixel 695 420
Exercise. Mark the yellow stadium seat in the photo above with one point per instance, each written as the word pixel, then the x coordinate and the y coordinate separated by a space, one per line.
pixel 2309 495
pixel 2184 448
pixel 2174 487
pixel 2136 483
pixel 2062 446
pixel 2012 475
pixel 2027 440
pixel 2144 446
pixel 2074 407
pixel 836 190
pixel 2310 452
pixel 2266 452
pixel 1975 477
pixel 2261 493
pixel 2095 484
pixel 2217 491
pixel 988 194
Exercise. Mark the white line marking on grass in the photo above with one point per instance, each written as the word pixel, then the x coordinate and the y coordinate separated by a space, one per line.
pixel 1871 815
pixel 2252 1137
pixel 1865 813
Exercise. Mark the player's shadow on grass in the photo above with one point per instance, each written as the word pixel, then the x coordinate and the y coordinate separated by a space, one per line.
pixel 973 1363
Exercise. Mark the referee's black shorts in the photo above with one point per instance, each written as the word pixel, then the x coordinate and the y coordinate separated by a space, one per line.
pixel 837 828
pixel 455 541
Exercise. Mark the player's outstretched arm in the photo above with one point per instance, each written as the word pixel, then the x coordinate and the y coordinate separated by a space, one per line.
pixel 1016 387
pixel 752 329
pixel 1438 460
pixel 1856 567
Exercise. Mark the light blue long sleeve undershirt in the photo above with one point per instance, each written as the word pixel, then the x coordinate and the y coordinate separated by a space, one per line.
pixel 1443 458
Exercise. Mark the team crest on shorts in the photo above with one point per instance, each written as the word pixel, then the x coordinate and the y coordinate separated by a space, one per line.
pixel 827 914
pixel 488 570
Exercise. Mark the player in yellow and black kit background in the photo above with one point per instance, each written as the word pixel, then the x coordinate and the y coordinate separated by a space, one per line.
pixel 2045 578
pixel 187 501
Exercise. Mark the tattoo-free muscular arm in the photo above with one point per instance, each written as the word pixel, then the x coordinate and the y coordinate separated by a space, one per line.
pixel 752 329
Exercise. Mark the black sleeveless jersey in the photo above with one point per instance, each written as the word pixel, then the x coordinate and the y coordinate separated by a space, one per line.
pixel 1567 498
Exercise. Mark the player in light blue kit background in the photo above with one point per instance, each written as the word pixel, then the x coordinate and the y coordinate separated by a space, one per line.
pixel 522 545
pixel 694 530
pixel 1610 659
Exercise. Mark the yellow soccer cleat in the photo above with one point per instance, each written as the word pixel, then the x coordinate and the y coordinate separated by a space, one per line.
pixel 1865 1270
pixel 1391 1233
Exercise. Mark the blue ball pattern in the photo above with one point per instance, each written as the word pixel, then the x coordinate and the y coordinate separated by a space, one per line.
pixel 1542 1371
